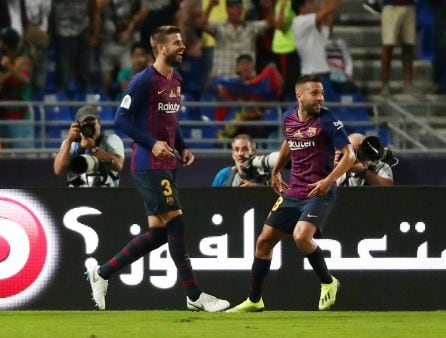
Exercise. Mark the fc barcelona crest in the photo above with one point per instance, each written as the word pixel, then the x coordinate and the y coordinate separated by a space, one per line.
pixel 311 131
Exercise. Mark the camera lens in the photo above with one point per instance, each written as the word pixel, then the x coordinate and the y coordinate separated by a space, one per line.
pixel 88 129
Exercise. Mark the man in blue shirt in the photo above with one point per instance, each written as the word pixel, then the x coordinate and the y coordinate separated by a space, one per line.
pixel 243 147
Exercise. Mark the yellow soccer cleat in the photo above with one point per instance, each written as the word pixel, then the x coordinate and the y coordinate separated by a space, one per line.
pixel 248 306
pixel 328 294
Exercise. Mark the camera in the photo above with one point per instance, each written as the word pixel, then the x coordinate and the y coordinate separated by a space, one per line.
pixel 91 166
pixel 257 167
pixel 372 150
pixel 262 161
pixel 88 129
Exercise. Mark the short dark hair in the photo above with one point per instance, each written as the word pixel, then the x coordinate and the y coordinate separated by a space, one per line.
pixel 245 137
pixel 10 37
pixel 243 57
pixel 307 78
pixel 297 4
pixel 159 35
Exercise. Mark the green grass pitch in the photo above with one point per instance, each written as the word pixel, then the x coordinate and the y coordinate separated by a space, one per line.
pixel 165 324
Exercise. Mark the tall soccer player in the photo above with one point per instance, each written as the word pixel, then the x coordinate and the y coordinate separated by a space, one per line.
pixel 311 136
pixel 148 114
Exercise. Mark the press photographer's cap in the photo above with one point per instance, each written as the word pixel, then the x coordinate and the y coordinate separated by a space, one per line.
pixel 85 112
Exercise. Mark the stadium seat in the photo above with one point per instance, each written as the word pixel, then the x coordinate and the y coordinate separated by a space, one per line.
pixel 57 118
pixel 208 111
pixel 189 113
pixel 107 113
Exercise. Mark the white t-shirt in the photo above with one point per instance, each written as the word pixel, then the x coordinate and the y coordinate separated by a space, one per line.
pixel 310 45
pixel 354 180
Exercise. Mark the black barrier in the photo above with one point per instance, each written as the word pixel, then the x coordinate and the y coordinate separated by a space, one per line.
pixel 386 245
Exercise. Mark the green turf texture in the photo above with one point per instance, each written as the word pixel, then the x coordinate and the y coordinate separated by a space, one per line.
pixel 138 324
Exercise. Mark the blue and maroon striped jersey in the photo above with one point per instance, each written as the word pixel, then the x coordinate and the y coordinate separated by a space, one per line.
pixel 148 113
pixel 312 144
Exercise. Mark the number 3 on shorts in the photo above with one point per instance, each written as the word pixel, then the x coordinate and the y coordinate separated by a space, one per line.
pixel 277 204
pixel 167 188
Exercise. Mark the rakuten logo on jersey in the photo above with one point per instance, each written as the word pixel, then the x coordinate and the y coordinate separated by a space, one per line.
pixel 169 108
pixel 297 145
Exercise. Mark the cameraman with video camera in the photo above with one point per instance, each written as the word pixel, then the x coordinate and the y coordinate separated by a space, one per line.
pixel 88 157
pixel 243 174
pixel 373 164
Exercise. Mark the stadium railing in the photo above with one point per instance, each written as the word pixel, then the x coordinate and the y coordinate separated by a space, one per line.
pixel 44 130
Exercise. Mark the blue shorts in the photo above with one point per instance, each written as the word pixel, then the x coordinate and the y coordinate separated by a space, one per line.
pixel 158 190
pixel 287 211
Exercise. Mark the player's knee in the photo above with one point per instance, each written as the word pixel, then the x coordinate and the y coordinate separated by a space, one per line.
pixel 301 239
pixel 264 248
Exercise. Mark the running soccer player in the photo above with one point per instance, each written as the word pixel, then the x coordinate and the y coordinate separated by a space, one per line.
pixel 311 136
pixel 148 114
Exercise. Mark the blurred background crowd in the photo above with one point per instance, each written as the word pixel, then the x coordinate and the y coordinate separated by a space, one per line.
pixel 236 50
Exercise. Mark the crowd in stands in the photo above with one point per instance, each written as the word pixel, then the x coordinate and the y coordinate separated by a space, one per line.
pixel 88 46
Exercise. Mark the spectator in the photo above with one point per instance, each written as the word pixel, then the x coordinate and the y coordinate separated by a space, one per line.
pixel 247 86
pixel 76 29
pixel 30 18
pixel 140 59
pixel 397 25
pixel 160 13
pixel 243 147
pixel 120 21
pixel 255 10
pixel 190 21
pixel 284 48
pixel 15 85
pixel 102 155
pixel 217 15
pixel 36 38
pixel 235 36
pixel 309 40
pixel 364 171
pixel 339 60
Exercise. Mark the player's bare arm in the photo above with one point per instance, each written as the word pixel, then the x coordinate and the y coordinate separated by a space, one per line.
pixel 276 179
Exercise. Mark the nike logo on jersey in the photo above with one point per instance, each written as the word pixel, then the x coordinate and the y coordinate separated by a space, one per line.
pixel 312 216
pixel 161 91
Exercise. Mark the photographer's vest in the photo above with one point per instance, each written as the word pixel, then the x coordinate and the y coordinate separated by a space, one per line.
pixel 231 178
pixel 82 179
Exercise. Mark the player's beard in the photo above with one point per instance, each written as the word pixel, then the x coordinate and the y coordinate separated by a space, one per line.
pixel 312 110
pixel 173 60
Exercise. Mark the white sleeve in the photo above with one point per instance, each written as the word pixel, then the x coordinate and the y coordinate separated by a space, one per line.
pixel 302 23
pixel 385 171
pixel 113 144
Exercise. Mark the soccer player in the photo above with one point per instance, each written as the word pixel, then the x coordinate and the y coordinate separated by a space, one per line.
pixel 311 136
pixel 148 114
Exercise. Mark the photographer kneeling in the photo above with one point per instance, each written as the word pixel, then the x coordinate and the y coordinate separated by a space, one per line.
pixel 245 173
pixel 373 163
pixel 89 158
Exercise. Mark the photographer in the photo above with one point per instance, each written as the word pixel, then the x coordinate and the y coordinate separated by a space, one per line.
pixel 89 158
pixel 372 166
pixel 242 174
